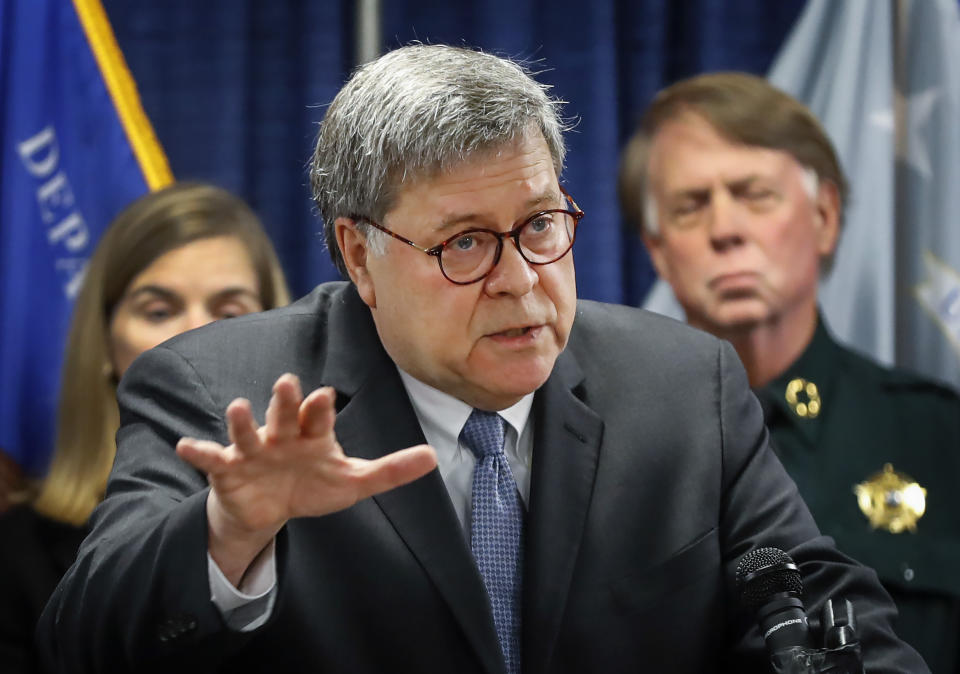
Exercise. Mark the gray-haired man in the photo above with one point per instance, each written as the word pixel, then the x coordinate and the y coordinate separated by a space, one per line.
pixel 565 517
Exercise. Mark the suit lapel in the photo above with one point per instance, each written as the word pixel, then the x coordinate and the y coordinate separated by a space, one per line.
pixel 566 450
pixel 376 419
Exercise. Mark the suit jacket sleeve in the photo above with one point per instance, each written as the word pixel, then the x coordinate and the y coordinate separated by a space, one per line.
pixel 685 484
pixel 761 507
pixel 137 598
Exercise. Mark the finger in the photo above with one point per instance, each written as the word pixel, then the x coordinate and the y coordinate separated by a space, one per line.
pixel 394 470
pixel 204 455
pixel 242 427
pixel 282 412
pixel 317 412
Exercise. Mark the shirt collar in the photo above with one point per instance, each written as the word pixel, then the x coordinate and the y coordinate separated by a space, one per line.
pixel 448 414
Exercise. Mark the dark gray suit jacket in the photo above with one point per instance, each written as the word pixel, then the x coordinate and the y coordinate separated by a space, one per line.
pixel 651 477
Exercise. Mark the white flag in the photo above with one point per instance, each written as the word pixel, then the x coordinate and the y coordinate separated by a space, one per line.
pixel 884 78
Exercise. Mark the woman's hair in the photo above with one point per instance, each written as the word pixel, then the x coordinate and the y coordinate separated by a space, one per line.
pixel 88 419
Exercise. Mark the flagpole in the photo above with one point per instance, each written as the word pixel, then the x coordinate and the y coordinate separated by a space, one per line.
pixel 901 140
pixel 368 31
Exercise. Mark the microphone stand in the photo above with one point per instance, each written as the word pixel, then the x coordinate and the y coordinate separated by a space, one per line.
pixel 841 652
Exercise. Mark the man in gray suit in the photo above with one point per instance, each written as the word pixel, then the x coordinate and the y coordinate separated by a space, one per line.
pixel 593 475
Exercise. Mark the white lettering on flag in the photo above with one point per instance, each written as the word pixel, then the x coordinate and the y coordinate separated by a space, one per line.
pixel 40 155
pixel 40 165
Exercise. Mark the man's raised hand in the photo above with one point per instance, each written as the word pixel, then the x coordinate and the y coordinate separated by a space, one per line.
pixel 292 466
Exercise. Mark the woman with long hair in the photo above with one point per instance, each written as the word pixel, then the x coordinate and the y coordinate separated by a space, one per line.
pixel 173 260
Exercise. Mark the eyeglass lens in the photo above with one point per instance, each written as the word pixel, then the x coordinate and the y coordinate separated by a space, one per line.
pixel 544 238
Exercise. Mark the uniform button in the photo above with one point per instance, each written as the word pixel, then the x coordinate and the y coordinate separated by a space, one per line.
pixel 908 574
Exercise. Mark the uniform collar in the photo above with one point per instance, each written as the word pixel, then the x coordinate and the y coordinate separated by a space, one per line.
pixel 818 364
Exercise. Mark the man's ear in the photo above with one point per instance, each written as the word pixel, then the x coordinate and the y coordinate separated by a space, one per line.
pixel 353 249
pixel 654 245
pixel 827 217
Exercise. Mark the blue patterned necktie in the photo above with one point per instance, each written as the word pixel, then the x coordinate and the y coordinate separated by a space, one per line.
pixel 496 532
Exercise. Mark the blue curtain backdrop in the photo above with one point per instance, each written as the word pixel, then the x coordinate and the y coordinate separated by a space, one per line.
pixel 235 88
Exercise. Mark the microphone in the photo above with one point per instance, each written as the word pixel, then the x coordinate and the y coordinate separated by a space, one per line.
pixel 770 585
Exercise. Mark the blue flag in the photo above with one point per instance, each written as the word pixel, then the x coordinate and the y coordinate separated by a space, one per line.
pixel 75 148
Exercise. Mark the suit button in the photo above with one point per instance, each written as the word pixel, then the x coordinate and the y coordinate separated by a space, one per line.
pixel 173 628
pixel 908 574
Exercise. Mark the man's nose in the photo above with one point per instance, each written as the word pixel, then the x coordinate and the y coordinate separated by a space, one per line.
pixel 725 221
pixel 512 275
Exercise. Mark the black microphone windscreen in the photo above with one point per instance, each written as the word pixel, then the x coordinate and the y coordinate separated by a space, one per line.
pixel 765 572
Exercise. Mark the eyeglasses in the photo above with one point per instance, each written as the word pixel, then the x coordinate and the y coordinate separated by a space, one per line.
pixel 470 255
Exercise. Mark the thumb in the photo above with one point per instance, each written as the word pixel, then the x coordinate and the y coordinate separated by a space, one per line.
pixel 394 470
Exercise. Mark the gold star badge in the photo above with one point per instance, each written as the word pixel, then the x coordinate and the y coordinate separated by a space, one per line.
pixel 803 398
pixel 891 500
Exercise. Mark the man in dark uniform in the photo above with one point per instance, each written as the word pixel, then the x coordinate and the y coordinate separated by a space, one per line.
pixel 739 196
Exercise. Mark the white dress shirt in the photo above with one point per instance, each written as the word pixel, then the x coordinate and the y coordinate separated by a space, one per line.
pixel 441 418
